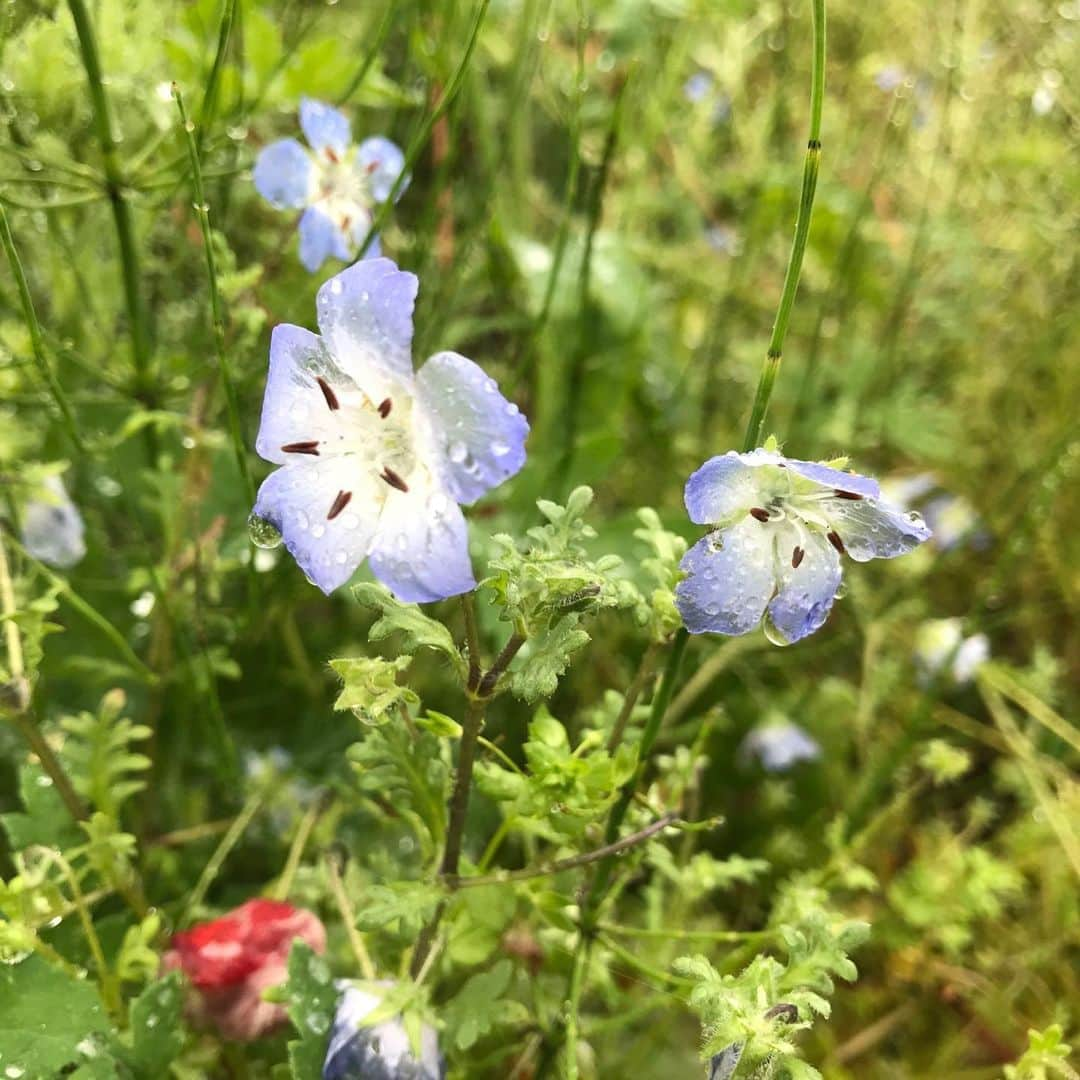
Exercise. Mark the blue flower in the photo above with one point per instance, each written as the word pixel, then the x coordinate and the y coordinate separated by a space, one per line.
pixel 377 459
pixel 940 644
pixel 779 529
pixel 52 527
pixel 378 1052
pixel 779 746
pixel 698 87
pixel 336 183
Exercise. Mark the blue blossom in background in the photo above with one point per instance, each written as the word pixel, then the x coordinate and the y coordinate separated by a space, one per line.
pixel 779 528
pixel 952 519
pixel 52 527
pixel 940 646
pixel 698 87
pixel 779 746
pixel 379 1052
pixel 337 184
pixel 890 78
pixel 376 459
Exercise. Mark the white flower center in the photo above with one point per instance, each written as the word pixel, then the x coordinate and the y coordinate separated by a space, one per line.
pixel 340 188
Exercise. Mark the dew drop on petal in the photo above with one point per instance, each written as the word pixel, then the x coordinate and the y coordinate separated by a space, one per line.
pixel 263 534
pixel 499 448
pixel 457 452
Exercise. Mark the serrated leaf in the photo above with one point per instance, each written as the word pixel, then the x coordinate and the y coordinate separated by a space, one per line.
pixel 370 687
pixel 417 630
pixel 473 1012
pixel 410 903
pixel 311 1001
pixel 157 1029
pixel 537 676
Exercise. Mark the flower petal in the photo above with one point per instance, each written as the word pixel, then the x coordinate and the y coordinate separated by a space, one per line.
pixel 324 126
pixel 807 591
pixel 727 587
pixel 477 437
pixel 779 746
pixel 725 487
pixel 283 174
pixel 365 315
pixel 320 238
pixel 52 527
pixel 361 222
pixel 835 478
pixel 875 530
pixel 421 550
pixel 328 541
pixel 382 162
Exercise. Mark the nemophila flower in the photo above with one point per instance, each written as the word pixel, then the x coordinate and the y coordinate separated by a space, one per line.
pixel 951 518
pixel 231 961
pixel 377 459
pixel 778 746
pixel 52 527
pixel 940 644
pixel 379 1051
pixel 337 184
pixel 779 528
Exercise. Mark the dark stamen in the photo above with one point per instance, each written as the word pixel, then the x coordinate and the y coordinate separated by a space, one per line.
pixel 384 407
pixel 847 495
pixel 339 504
pixel 332 402
pixel 372 167
pixel 332 154
pixel 393 479
pixel 836 542
pixel 759 513
pixel 309 447
pixel 797 557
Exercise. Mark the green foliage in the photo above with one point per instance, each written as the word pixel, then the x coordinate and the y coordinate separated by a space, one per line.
pixel 311 1000
pixel 157 1030
pixel 481 1006
pixel 1045 1058
pixel 371 689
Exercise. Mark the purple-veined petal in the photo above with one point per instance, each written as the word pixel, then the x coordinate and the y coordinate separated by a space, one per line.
pixel 381 161
pixel 282 174
pixel 874 530
pixel 835 478
pixel 806 592
pixel 365 315
pixel 327 534
pixel 320 238
pixel 728 586
pixel 324 127
pixel 477 437
pixel 421 550
pixel 726 487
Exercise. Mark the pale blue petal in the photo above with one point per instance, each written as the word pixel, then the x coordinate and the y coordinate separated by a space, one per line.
pixel 779 746
pixel 421 551
pixel 835 478
pixel 282 174
pixel 297 500
pixel 361 224
pixel 365 315
pixel 875 530
pixel 52 527
pixel 806 593
pixel 476 435
pixel 727 586
pixel 726 487
pixel 381 161
pixel 320 238
pixel 324 127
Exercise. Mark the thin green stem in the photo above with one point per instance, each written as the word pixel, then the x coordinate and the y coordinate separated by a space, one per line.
pixel 221 853
pixel 202 211
pixel 213 81
pixel 37 343
pixel 115 188
pixel 369 57
pixel 773 357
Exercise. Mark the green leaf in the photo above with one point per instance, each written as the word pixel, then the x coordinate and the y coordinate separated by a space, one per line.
pixel 408 903
pixel 478 1007
pixel 311 1000
pixel 418 631
pixel 547 659
pixel 157 1029
pixel 47 820
pixel 370 687
pixel 44 1015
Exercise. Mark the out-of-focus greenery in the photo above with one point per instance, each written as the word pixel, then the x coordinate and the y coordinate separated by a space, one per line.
pixel 936 331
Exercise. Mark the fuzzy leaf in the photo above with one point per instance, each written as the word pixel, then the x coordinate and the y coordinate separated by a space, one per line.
pixel 547 659
pixel 417 630
pixel 370 687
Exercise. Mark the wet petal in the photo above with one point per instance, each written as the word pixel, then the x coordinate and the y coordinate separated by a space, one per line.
pixel 52 527
pixel 806 592
pixel 283 174
pixel 835 478
pixel 324 127
pixel 421 551
pixel 320 238
pixel 875 530
pixel 727 588
pixel 365 315
pixel 725 487
pixel 476 436
pixel 327 534
pixel 382 162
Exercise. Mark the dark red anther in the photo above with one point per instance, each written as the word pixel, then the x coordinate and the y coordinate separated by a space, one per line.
pixel 393 479
pixel 311 446
pixel 797 557
pixel 847 495
pixel 332 402
pixel 332 155
pixel 760 513
pixel 339 504
pixel 384 407
pixel 834 539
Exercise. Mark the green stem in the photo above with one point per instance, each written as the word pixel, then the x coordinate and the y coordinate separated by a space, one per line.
pixel 202 211
pixel 771 367
pixel 37 343
pixel 213 81
pixel 115 188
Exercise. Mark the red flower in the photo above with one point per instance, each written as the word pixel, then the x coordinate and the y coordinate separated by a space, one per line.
pixel 230 962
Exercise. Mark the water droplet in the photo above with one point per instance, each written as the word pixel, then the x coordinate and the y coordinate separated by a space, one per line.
pixel 318 530
pixel 499 448
pixel 336 286
pixel 302 519
pixel 262 533
pixel 457 452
